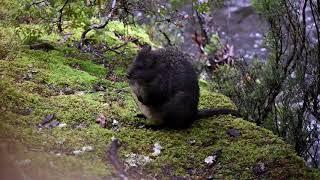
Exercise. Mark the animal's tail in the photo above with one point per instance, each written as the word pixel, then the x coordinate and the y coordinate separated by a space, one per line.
pixel 206 113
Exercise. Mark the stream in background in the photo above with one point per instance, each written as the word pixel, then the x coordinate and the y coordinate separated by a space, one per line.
pixel 237 24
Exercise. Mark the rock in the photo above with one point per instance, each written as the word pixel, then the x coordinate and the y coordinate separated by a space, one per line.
pixel 113 138
pixel 115 122
pixel 61 125
pixel 156 149
pixel 87 148
pixel 134 160
pixel 83 150
pixel 77 152
pixel 259 169
pixel 192 142
pixel 28 76
pixel 67 91
pixel 233 132
pixel 80 93
pixel 209 160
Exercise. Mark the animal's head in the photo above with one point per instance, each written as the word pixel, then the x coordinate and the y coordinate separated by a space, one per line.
pixel 143 68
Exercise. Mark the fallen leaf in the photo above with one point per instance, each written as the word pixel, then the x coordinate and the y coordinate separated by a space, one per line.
pixel 101 119
pixel 213 158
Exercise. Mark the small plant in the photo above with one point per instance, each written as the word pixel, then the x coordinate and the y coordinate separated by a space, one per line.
pixel 214 45
pixel 7 44
pixel 29 35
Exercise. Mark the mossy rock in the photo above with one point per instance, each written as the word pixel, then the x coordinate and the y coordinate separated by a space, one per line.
pixel 28 93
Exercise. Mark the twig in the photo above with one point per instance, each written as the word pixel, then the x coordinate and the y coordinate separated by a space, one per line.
pixel 104 21
pixel 125 43
pixel 167 37
pixel 59 24
pixel 203 30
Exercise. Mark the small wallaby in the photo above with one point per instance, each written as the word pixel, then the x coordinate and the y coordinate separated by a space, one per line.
pixel 167 89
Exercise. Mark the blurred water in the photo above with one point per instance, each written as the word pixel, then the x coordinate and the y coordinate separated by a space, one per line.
pixel 239 25
pixel 240 3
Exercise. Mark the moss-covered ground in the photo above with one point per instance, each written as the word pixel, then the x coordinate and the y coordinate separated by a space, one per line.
pixel 35 84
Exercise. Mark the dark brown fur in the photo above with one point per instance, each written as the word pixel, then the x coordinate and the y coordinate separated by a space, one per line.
pixel 166 86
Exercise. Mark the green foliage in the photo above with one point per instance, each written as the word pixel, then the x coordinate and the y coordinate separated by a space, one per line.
pixel 214 44
pixel 29 34
pixel 179 3
pixel 7 9
pixel 267 7
pixel 203 6
pixel 210 99
pixel 75 14
pixel 224 79
pixel 8 43
pixel 280 94
pixel 247 89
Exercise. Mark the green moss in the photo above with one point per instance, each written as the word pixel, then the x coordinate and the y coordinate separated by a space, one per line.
pixel 89 67
pixel 133 31
pixel 12 97
pixel 184 151
pixel 62 75
pixel 55 69
pixel 214 100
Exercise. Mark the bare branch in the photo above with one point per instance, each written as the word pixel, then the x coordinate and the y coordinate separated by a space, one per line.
pixel 203 31
pixel 59 23
pixel 167 37
pixel 104 21
pixel 114 49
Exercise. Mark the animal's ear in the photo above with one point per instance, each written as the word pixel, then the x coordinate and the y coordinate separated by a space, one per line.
pixel 145 49
pixel 145 56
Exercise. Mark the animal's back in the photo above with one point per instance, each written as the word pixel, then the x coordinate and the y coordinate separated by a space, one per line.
pixel 179 72
pixel 182 83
